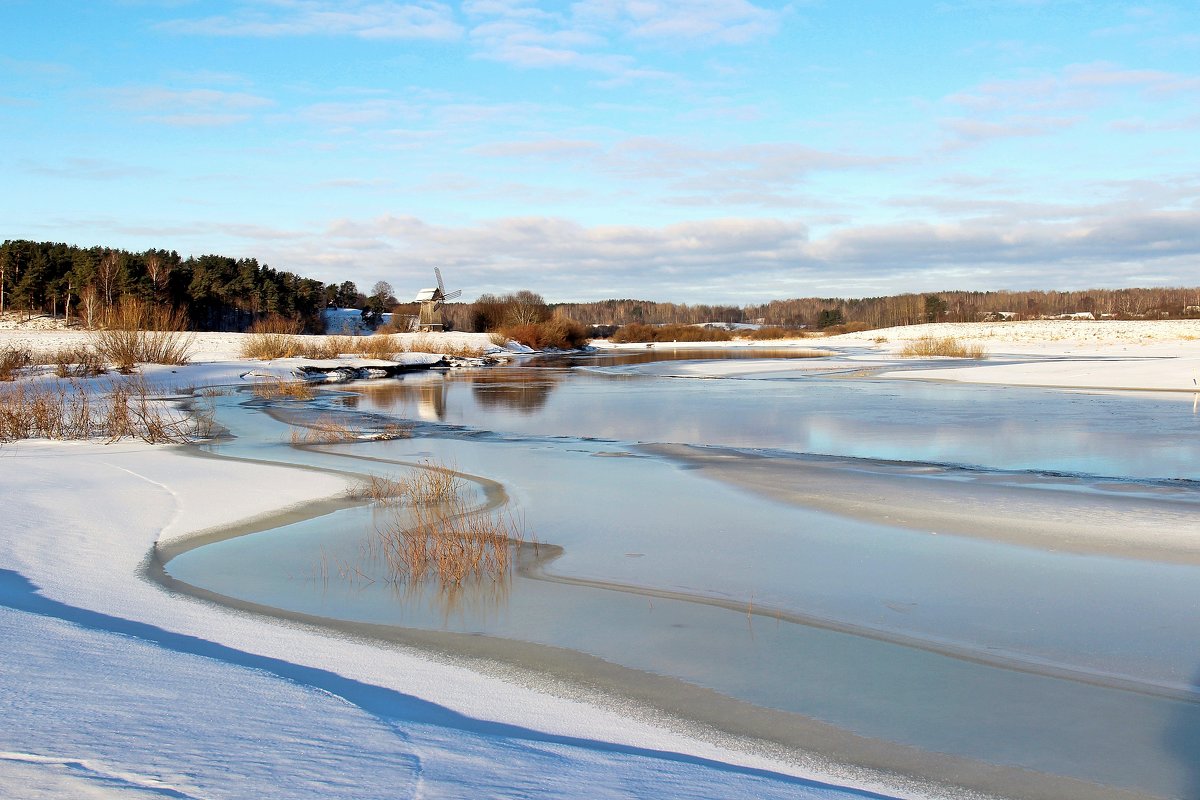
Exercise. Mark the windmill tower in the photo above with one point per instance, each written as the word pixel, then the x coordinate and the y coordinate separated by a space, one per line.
pixel 430 316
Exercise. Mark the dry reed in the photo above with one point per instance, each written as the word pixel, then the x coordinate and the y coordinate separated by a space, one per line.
pixel 139 333
pixel 928 346
pixel 429 344
pixel 67 410
pixel 434 532
pixel 325 430
pixel 12 360
pixel 276 388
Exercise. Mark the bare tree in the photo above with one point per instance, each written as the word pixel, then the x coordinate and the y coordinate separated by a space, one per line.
pixel 158 270
pixel 89 298
pixel 106 274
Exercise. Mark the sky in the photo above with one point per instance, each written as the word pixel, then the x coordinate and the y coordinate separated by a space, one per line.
pixel 709 151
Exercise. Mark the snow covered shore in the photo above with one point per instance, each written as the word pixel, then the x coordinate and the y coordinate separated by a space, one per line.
pixel 115 687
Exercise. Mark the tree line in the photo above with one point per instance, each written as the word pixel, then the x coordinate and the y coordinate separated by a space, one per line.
pixel 221 293
pixel 215 292
pixel 900 309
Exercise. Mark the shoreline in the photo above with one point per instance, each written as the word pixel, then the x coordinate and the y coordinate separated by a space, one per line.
pixel 687 709
pixel 78 571
pixel 695 711
pixel 1102 523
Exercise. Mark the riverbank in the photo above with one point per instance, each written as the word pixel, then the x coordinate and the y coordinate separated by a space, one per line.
pixel 118 677
pixel 83 518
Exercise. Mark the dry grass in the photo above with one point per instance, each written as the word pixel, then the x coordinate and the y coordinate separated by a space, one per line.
pixel 639 332
pixel 276 388
pixel 775 332
pixel 431 344
pixel 82 361
pixel 139 333
pixel 380 346
pixel 66 410
pixel 325 347
pixel 431 483
pixel 13 360
pixel 434 532
pixel 325 430
pixel 942 346
pixel 272 337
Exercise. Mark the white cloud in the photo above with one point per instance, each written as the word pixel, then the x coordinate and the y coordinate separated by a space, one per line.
pixel 589 35
pixel 364 20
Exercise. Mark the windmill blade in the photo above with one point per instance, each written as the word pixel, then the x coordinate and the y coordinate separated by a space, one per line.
pixel 452 295
pixel 437 271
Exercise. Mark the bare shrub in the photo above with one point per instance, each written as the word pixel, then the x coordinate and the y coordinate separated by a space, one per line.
pixel 559 333
pixel 12 360
pixel 82 361
pixel 945 346
pixel 138 332
pixel 769 333
pixel 846 327
pixel 67 410
pixel 639 332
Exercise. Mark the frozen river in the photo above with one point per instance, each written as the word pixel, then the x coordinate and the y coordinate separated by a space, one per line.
pixel 922 595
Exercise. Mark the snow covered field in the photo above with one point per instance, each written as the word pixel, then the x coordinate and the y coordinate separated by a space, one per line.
pixel 111 686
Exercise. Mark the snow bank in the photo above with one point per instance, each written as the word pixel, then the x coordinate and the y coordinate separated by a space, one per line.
pixel 121 688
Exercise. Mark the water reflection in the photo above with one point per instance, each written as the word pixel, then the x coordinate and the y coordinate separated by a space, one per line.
pixel 524 390
pixel 1182 740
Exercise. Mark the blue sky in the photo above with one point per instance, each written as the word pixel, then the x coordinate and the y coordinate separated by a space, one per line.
pixel 704 151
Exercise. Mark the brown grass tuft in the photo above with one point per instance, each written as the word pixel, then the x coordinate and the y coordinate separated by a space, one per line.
pixel 140 333
pixel 272 337
pixel 67 410
pixel 275 388
pixel 928 346
pixel 325 430
pixel 12 360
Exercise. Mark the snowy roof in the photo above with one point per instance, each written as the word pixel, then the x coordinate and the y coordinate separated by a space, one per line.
pixel 426 294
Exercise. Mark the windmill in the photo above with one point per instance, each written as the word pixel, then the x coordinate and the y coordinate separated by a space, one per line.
pixel 430 316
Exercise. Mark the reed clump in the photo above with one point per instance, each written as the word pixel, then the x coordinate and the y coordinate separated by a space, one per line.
pixel 429 344
pixel 448 541
pixel 927 346
pixel 272 337
pixel 276 388
pixel 434 532
pixel 381 346
pixel 324 347
pixel 68 410
pixel 325 430
pixel 140 333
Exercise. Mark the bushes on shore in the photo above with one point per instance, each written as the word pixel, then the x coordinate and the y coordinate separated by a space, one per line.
pixel 139 332
pixel 557 333
pixel 638 332
pixel 945 346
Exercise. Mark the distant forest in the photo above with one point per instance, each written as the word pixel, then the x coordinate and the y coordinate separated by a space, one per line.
pixel 222 293
pixel 216 292
pixel 904 309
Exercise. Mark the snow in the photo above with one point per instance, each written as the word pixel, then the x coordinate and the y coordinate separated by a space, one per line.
pixel 113 687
